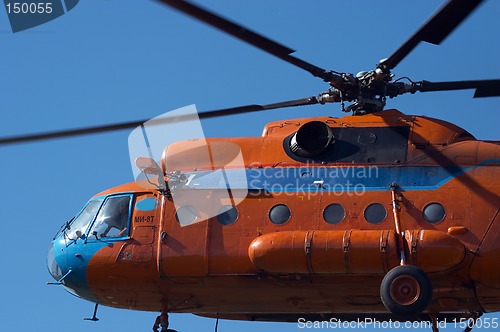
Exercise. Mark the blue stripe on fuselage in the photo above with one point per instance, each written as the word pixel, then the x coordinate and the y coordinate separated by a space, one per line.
pixel 330 179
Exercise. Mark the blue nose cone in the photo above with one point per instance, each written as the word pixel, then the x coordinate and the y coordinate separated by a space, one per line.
pixel 68 266
pixel 52 265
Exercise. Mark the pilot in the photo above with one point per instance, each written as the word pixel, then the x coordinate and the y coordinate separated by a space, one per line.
pixel 117 219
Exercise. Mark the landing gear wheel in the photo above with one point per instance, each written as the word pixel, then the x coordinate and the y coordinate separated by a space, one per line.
pixel 406 291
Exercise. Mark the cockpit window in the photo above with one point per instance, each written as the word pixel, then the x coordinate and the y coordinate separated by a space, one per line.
pixel 82 221
pixel 113 218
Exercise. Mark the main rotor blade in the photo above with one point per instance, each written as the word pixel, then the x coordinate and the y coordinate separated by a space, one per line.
pixel 176 119
pixel 435 30
pixel 249 36
pixel 484 88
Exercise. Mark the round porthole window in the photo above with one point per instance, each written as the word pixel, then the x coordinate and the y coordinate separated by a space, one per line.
pixel 375 213
pixel 227 215
pixel 433 212
pixel 279 214
pixel 186 215
pixel 334 213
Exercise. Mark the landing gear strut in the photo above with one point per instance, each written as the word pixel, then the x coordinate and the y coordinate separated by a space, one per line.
pixel 406 290
pixel 162 322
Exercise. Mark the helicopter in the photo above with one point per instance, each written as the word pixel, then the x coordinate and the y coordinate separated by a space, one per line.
pixel 367 115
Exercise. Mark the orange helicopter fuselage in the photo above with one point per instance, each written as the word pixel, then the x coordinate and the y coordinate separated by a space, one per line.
pixel 311 235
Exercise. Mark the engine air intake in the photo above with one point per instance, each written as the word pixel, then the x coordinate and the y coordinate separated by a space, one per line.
pixel 311 139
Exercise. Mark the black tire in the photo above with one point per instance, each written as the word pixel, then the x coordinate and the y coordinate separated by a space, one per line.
pixel 406 291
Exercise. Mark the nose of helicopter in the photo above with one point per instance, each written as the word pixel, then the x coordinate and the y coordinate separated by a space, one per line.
pixel 52 265
pixel 68 268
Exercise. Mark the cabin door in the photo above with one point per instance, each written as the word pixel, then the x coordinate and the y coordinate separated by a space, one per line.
pixel 183 249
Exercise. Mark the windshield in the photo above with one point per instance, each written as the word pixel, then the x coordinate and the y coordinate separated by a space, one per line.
pixel 80 223
pixel 112 220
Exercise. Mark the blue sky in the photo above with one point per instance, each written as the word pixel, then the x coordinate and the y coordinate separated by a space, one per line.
pixel 110 61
